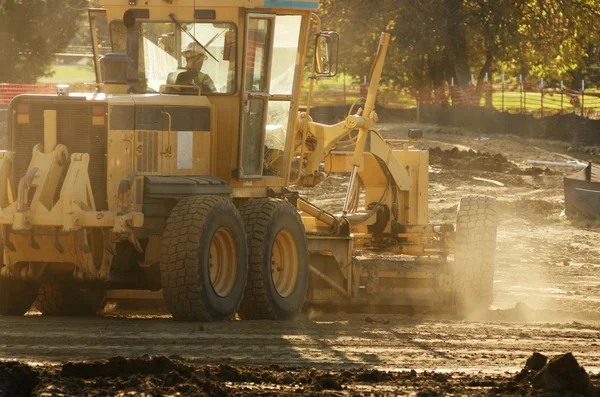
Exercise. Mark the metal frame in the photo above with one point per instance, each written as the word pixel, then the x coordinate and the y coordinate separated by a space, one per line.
pixel 246 96
pixel 97 68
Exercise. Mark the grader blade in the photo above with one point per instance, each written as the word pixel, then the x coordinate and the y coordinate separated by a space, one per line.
pixel 402 281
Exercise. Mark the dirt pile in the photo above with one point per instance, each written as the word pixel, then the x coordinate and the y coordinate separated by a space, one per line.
pixel 561 375
pixel 478 161
pixel 153 375
pixel 160 375
pixel 536 362
pixel 120 366
pixel 166 376
pixel 17 379
pixel 172 376
pixel 564 374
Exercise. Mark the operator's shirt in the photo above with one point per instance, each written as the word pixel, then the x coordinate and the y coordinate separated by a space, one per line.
pixel 203 81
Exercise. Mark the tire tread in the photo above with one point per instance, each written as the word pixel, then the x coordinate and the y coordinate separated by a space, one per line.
pixel 179 257
pixel 475 249
pixel 256 215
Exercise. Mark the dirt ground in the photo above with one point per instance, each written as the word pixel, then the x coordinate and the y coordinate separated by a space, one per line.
pixel 546 299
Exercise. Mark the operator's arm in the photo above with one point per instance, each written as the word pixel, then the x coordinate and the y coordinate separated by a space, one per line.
pixel 207 86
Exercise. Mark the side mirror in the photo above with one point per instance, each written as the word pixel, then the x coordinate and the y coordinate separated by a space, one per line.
pixel 326 54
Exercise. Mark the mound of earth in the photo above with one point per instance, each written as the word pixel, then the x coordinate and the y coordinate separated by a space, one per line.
pixel 564 374
pixel 478 161
pixel 561 375
pixel 17 379
pixel 160 375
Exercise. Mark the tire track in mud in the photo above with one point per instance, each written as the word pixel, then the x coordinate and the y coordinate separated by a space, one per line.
pixel 402 344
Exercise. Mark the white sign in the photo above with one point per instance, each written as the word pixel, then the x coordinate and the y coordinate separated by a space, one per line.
pixel 185 149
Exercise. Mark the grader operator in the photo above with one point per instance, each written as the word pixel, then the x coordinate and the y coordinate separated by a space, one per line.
pixel 150 182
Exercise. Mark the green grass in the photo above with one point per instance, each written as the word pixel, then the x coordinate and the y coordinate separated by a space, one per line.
pixel 513 101
pixel 70 74
pixel 532 102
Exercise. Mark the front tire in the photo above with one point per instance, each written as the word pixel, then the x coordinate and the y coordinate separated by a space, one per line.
pixel 475 249
pixel 16 297
pixel 69 300
pixel 278 260
pixel 204 261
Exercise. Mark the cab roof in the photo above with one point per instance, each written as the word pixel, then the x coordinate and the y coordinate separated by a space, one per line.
pixel 305 5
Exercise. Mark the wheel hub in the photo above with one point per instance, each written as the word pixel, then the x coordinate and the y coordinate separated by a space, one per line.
pixel 222 262
pixel 284 263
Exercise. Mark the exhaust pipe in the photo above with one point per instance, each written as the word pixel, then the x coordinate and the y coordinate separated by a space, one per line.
pixel 49 130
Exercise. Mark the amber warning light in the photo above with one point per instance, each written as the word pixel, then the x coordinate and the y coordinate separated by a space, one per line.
pixel 23 113
pixel 97 115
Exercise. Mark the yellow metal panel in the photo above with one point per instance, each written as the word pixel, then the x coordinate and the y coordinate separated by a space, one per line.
pixel 273 182
pixel 418 161
pixel 80 219
pixel 310 223
pixel 372 175
pixel 200 156
pixel 47 251
pixel 225 10
pixel 250 192
pixel 48 174
pixel 213 140
pixel 381 149
pixel 341 162
pixel 6 161
pixel 76 192
pixel 120 162
pixel 227 111
pixel 423 189
pixel 313 225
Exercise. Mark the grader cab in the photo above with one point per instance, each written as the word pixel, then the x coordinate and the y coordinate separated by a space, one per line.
pixel 161 180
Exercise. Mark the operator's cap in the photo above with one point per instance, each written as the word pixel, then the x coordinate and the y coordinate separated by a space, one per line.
pixel 194 48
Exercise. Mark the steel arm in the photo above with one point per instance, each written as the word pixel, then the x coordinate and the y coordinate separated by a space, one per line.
pixel 327 136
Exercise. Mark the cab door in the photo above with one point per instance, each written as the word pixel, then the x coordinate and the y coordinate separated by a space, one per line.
pixel 256 71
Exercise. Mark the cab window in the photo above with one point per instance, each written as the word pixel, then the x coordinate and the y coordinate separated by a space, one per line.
pixel 167 55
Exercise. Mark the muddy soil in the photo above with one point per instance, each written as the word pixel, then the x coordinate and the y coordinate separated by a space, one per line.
pixel 173 376
pixel 546 299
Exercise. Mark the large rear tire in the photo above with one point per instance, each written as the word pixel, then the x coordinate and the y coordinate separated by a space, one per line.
pixel 278 260
pixel 16 297
pixel 204 260
pixel 69 300
pixel 475 251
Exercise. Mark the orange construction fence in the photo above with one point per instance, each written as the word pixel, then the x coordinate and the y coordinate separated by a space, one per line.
pixel 9 91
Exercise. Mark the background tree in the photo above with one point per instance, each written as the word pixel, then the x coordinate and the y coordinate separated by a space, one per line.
pixel 434 41
pixel 31 32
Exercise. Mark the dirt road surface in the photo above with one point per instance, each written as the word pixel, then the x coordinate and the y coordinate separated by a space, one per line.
pixel 547 299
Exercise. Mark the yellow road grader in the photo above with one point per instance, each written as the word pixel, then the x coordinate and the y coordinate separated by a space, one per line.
pixel 157 179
